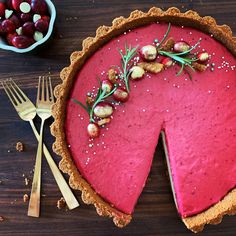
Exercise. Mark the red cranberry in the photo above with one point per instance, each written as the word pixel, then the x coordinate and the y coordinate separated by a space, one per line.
pixel 167 62
pixel 10 38
pixel 2 9
pixel 93 130
pixel 203 57
pixel 46 18
pixel 8 26
pixel 2 31
pixel 9 4
pixel 39 6
pixel 15 20
pixel 121 95
pixel 26 17
pixel 22 41
pixel 41 25
pixel 16 4
pixel 106 84
pixel 28 28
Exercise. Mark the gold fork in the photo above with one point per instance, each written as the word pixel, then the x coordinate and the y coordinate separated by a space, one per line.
pixel 27 111
pixel 44 104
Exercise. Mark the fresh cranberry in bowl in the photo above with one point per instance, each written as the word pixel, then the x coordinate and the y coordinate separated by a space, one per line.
pixel 26 17
pixel 28 29
pixel 39 7
pixel 8 26
pixel 2 9
pixel 26 24
pixel 41 25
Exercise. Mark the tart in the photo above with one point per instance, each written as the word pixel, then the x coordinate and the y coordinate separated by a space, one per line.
pixel 193 111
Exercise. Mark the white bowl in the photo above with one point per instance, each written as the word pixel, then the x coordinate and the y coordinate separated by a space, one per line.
pixel 52 11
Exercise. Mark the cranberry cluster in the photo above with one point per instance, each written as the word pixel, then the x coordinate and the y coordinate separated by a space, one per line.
pixel 23 22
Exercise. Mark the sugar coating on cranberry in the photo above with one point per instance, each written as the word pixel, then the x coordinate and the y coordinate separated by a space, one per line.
pixel 107 85
pixel 148 53
pixel 121 95
pixel 103 110
pixel 137 72
pixel 181 46
pixel 93 130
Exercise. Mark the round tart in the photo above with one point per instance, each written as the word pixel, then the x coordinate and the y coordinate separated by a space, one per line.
pixel 182 87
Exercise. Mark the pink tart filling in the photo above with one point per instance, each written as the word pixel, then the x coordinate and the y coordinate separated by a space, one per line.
pixel 198 118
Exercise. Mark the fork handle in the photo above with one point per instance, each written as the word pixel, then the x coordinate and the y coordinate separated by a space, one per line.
pixel 34 203
pixel 67 193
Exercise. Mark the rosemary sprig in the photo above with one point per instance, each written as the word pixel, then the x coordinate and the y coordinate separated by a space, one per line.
pixel 125 60
pixel 101 96
pixel 180 59
pixel 165 36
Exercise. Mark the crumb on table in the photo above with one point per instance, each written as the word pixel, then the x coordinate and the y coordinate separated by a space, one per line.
pixel 26 181
pixel 61 203
pixel 26 198
pixel 19 147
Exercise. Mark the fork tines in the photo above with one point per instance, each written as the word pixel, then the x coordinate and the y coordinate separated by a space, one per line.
pixel 15 94
pixel 45 92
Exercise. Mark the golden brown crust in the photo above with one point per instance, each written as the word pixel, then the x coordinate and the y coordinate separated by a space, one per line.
pixel 90 45
pixel 214 215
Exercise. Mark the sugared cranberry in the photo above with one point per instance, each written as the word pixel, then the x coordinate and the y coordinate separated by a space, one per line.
pixel 137 72
pixel 93 130
pixel 167 62
pixel 103 110
pixel 28 28
pixel 148 53
pixel 121 95
pixel 203 57
pixel 8 26
pixel 41 25
pixel 181 46
pixel 22 41
pixel 16 4
pixel 10 38
pixel 106 84
pixel 46 18
pixel 2 9
pixel 39 6
pixel 15 20
pixel 26 17
pixel 38 36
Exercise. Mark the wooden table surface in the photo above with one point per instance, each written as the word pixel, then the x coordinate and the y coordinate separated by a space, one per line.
pixel 155 212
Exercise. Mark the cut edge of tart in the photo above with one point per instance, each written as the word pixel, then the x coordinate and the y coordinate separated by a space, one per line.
pixel 207 24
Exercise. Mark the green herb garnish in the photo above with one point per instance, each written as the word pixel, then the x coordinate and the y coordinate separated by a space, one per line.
pixel 125 60
pixel 101 96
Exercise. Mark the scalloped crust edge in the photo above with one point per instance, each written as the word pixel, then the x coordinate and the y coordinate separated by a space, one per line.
pixel 222 33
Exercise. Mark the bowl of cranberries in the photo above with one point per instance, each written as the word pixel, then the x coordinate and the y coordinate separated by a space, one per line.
pixel 25 24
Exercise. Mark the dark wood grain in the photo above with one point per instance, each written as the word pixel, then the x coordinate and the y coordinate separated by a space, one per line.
pixel 155 213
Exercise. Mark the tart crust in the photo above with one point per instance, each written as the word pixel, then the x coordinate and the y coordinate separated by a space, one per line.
pixel 207 24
